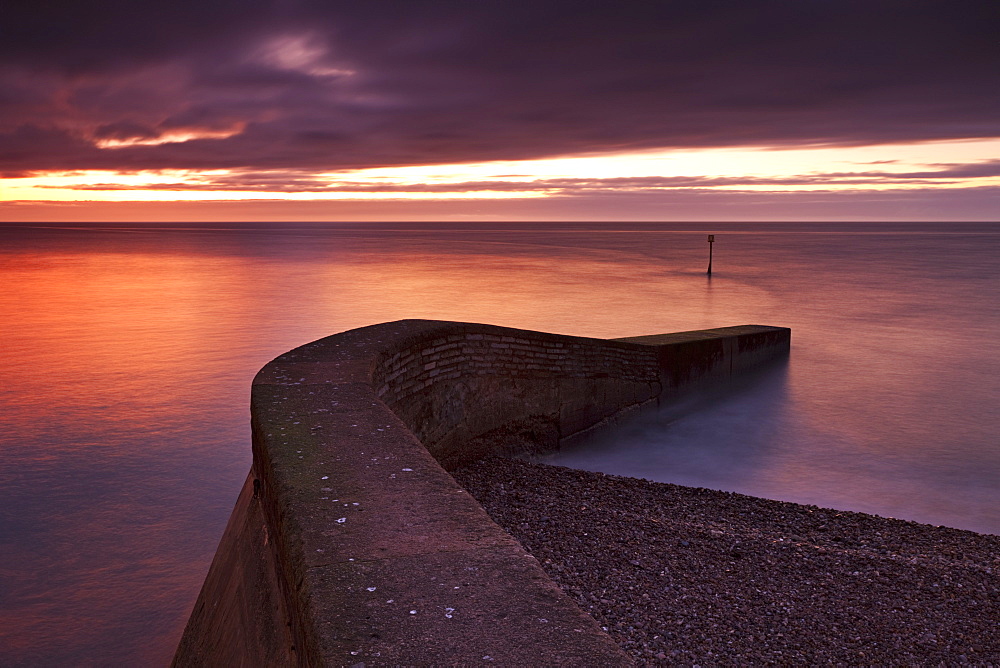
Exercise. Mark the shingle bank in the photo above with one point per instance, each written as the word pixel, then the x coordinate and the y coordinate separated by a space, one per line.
pixel 350 544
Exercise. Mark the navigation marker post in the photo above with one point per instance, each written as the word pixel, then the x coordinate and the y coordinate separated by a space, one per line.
pixel 711 240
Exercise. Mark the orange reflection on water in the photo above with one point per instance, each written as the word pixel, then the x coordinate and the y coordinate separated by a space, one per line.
pixel 126 327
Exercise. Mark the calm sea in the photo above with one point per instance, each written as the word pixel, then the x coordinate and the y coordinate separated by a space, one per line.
pixel 128 350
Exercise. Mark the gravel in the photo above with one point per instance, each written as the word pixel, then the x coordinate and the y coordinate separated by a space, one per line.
pixel 691 576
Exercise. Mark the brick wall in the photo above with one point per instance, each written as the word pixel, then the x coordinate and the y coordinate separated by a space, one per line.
pixel 455 386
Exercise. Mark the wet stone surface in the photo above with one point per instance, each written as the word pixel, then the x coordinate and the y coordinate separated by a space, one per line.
pixel 680 575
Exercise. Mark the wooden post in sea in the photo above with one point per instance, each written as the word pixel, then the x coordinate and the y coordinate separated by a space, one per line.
pixel 711 240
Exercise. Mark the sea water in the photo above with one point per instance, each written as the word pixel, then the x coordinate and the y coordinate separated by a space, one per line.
pixel 128 350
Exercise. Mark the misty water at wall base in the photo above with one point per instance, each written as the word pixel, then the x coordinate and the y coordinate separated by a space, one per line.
pixel 128 352
pixel 754 440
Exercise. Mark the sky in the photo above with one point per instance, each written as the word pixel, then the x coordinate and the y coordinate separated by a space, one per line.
pixel 229 110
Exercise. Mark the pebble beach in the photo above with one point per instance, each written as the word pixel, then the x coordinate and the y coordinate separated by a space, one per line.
pixel 690 576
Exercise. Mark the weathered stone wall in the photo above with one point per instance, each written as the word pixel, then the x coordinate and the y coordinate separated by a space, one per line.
pixel 247 615
pixel 351 544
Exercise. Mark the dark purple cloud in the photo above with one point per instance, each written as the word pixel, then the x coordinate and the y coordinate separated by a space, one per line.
pixel 287 84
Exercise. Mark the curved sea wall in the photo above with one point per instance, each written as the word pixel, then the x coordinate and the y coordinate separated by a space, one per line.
pixel 350 544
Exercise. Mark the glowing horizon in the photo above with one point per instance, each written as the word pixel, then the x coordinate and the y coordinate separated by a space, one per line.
pixel 758 169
